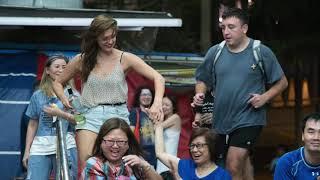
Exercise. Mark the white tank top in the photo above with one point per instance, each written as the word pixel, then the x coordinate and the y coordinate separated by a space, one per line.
pixel 110 89
pixel 171 141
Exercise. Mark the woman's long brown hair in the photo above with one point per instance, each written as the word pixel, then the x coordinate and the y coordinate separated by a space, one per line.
pixel 89 44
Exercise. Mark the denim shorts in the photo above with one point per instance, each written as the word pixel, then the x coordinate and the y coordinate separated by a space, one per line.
pixel 96 116
pixel 41 167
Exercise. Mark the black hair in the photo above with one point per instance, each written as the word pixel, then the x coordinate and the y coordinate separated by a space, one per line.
pixel 210 137
pixel 136 102
pixel 313 116
pixel 173 101
pixel 237 13
pixel 134 146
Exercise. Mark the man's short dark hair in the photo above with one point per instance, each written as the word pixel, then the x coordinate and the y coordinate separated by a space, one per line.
pixel 237 13
pixel 313 116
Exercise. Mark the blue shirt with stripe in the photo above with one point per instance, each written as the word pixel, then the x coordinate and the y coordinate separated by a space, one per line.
pixel 293 165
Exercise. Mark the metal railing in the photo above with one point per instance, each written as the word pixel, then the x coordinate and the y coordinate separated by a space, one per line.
pixel 62 169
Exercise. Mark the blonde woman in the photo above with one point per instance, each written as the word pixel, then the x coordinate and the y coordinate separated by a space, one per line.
pixel 40 151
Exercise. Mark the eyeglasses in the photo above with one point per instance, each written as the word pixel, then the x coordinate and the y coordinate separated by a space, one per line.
pixel 198 146
pixel 110 143
pixel 146 94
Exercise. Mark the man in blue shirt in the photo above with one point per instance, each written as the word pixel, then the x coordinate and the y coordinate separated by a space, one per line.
pixel 303 163
pixel 238 85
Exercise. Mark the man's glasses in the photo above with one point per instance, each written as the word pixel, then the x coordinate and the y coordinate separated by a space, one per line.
pixel 198 146
pixel 110 143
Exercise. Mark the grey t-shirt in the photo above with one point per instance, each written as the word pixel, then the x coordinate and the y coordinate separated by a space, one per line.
pixel 233 78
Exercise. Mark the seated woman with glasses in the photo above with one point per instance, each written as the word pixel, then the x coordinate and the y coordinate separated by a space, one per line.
pixel 117 155
pixel 202 150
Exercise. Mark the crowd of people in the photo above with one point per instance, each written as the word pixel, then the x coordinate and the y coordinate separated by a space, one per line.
pixel 113 143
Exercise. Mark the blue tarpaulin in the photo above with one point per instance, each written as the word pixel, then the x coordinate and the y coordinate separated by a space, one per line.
pixel 17 75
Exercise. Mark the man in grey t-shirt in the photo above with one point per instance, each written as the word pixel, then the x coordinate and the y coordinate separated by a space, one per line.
pixel 238 83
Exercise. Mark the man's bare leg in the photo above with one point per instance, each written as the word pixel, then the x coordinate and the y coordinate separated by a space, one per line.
pixel 236 162
pixel 248 170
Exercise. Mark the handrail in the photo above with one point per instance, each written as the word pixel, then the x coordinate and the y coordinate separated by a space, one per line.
pixel 194 60
pixel 62 170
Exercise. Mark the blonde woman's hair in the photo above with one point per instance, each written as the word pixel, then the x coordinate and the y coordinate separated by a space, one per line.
pixel 46 80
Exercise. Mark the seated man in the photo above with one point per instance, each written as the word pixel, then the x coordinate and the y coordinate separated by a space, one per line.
pixel 303 163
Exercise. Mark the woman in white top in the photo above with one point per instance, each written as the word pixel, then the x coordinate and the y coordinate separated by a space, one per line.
pixel 171 132
pixel 103 68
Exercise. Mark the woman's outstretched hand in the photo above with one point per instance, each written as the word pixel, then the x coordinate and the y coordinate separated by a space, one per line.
pixel 52 111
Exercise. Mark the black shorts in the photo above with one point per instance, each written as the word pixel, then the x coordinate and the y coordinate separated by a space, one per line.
pixel 243 137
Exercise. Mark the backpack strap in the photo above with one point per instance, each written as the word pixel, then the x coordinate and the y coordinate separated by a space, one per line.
pixel 257 54
pixel 218 51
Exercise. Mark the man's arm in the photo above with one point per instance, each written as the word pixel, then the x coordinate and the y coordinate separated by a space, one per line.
pixel 258 100
pixel 277 88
